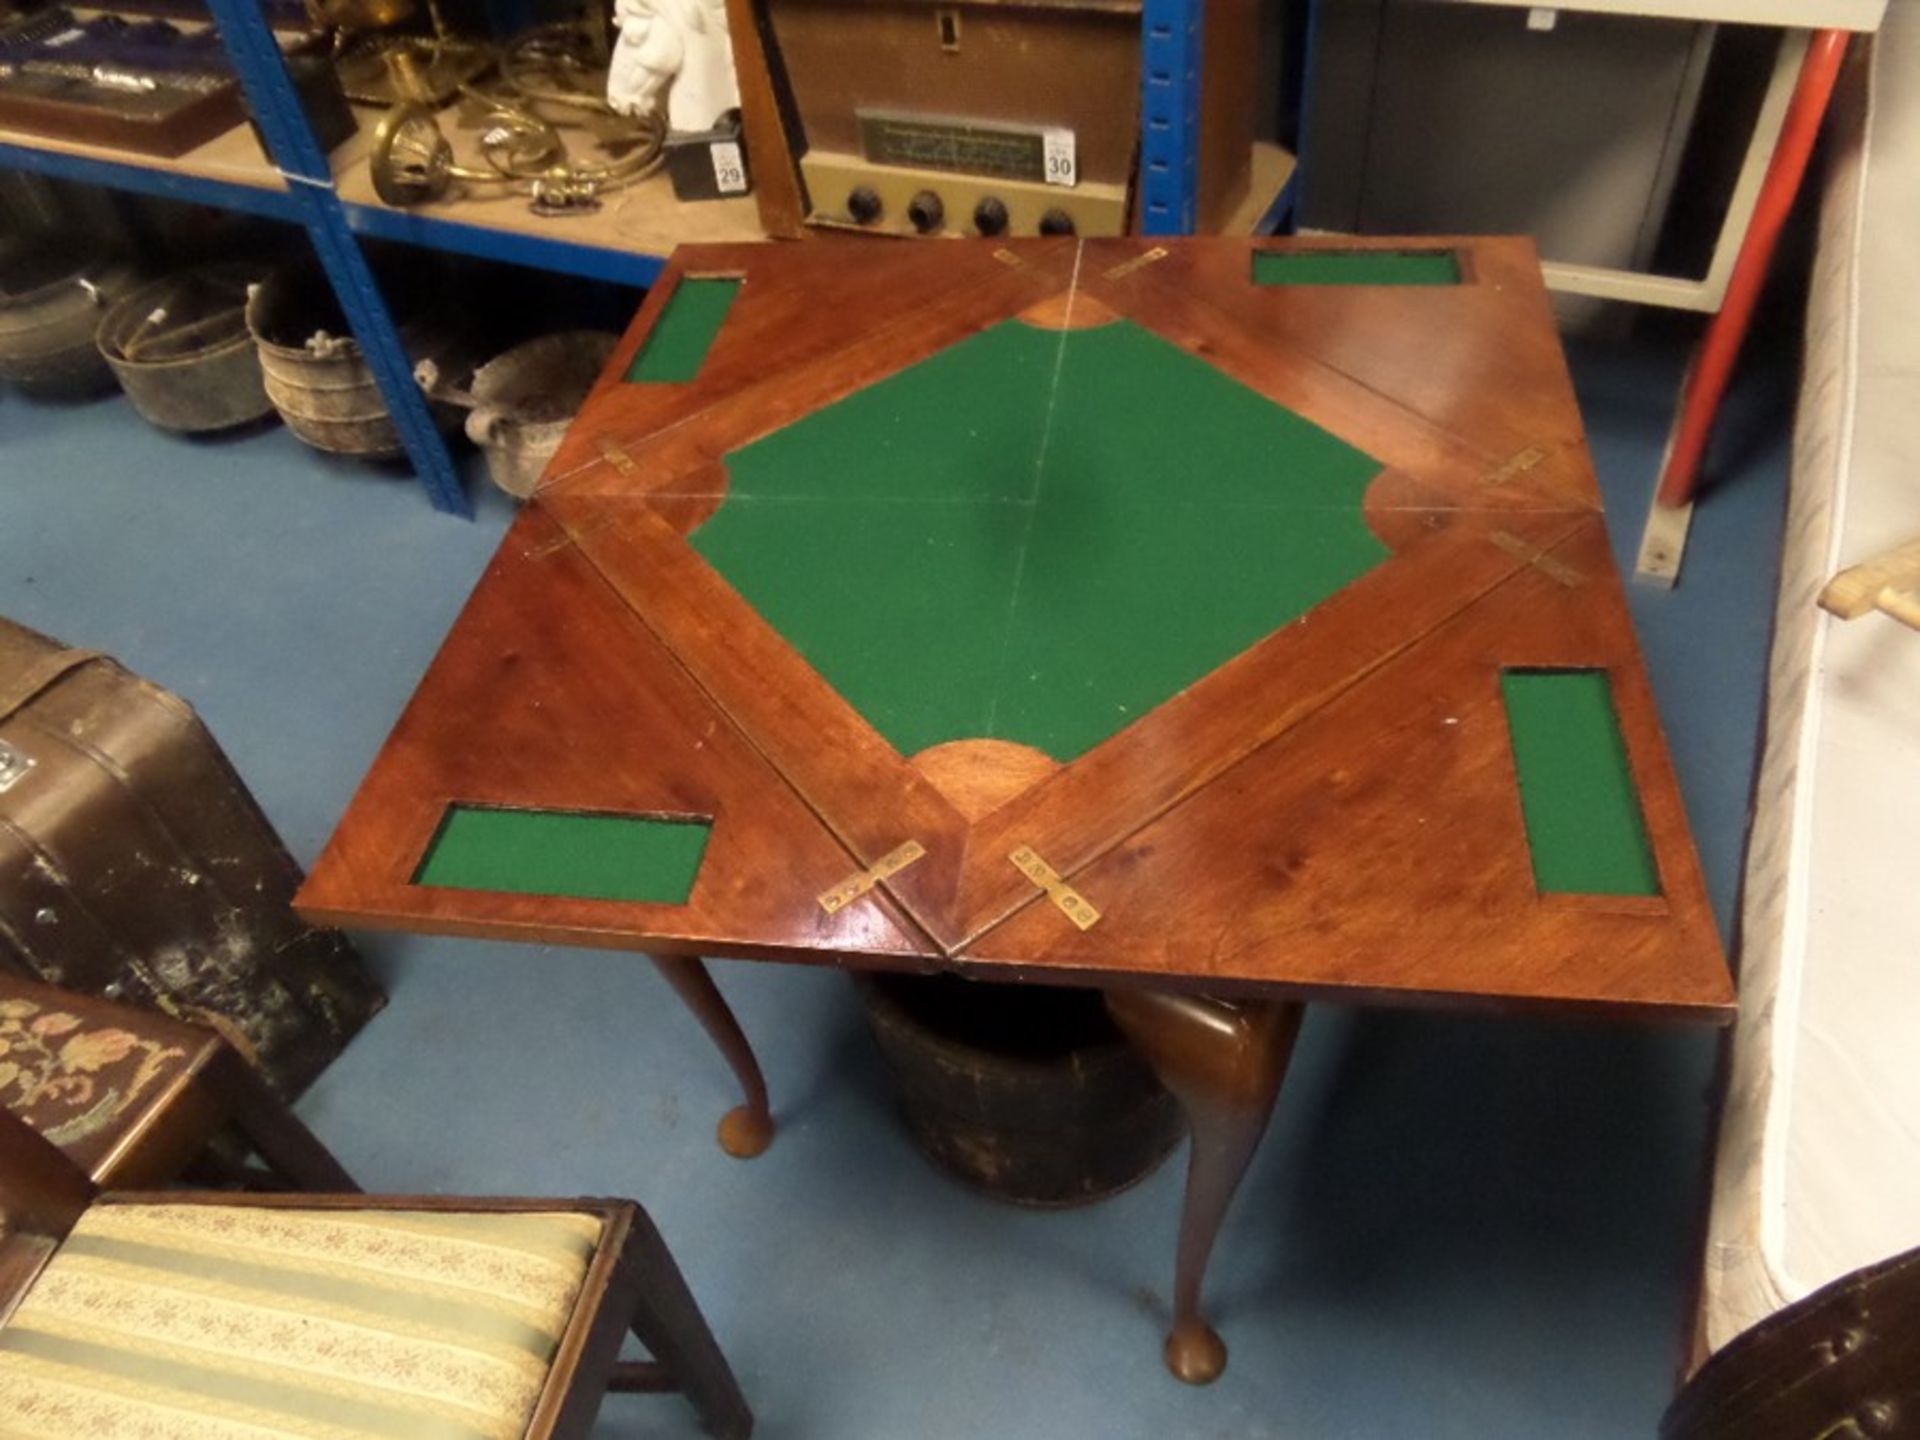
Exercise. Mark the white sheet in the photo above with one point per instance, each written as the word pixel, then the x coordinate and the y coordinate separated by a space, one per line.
pixel 1819 1167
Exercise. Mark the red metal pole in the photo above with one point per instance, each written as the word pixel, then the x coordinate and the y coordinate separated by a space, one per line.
pixel 1701 403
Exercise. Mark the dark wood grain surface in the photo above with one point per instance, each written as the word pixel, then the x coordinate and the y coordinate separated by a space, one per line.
pixel 1332 812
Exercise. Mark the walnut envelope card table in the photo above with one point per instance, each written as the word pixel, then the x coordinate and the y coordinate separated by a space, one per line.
pixel 1224 625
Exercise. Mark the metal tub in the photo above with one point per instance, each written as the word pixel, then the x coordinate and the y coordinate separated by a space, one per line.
pixel 182 352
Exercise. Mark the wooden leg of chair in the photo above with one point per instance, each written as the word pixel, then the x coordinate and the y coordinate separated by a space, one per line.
pixel 1224 1063
pixel 270 1128
pixel 748 1129
pixel 686 1356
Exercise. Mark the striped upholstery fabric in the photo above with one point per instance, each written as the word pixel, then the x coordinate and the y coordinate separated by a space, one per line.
pixel 227 1322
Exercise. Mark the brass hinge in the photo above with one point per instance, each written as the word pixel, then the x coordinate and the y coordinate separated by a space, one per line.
pixel 1075 906
pixel 1139 262
pixel 1555 570
pixel 616 454
pixel 1526 460
pixel 854 886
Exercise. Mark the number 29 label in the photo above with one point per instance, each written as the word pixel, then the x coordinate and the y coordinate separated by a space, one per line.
pixel 729 174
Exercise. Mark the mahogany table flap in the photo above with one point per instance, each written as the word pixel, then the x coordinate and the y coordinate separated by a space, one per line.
pixel 1377 850
pixel 549 695
pixel 1332 808
pixel 810 324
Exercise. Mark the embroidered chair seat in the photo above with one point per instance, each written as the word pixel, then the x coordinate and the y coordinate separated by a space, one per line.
pixel 84 1074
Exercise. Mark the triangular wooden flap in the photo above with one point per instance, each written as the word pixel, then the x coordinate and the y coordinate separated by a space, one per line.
pixel 804 327
pixel 1383 849
pixel 550 696
pixel 1191 742
pixel 859 786
pixel 1486 368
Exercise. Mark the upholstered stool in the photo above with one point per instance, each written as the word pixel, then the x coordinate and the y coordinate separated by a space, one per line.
pixel 135 1098
pixel 175 1316
pixel 387 1322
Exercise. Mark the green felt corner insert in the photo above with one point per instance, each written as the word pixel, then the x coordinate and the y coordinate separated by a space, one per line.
pixel 1039 535
pixel 1584 823
pixel 1356 267
pixel 579 855
pixel 677 346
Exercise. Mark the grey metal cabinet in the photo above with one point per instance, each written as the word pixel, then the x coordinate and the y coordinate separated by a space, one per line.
pixel 1432 116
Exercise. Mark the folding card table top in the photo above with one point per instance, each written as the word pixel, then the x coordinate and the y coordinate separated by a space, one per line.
pixel 1222 625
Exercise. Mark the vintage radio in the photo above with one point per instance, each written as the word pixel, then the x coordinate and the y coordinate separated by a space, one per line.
pixel 995 117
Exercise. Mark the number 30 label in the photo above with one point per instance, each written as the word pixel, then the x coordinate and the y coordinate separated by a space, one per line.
pixel 729 174
pixel 1057 151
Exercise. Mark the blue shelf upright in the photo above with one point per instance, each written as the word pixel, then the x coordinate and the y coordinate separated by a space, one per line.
pixel 295 150
pixel 1171 59
pixel 1171 34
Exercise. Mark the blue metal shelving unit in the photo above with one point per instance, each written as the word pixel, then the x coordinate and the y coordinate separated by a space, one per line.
pixel 1170 42
pixel 295 150
pixel 274 204
pixel 1169 165
pixel 567 257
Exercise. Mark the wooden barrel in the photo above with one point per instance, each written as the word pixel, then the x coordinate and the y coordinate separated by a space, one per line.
pixel 1026 1092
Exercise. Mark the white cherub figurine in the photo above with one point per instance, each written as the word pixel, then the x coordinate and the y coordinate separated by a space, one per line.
pixel 681 47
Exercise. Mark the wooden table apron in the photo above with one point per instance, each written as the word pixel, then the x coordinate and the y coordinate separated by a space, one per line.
pixel 1223 626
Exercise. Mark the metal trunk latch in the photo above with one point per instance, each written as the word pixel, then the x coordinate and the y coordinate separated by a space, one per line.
pixel 14 762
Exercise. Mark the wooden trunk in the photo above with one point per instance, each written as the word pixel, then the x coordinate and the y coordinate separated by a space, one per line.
pixel 134 864
pixel 1027 1092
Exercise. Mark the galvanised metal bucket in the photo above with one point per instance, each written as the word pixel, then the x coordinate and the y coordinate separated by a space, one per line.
pixel 181 349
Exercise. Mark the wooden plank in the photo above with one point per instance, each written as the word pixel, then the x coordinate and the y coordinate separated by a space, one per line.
pixel 1663 544
pixel 1886 582
pixel 233 156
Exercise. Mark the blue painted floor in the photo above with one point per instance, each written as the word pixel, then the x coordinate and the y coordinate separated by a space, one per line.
pixel 1458 1227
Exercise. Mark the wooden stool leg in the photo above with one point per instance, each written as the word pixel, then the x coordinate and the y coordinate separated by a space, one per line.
pixel 270 1128
pixel 748 1129
pixel 687 1358
pixel 1224 1063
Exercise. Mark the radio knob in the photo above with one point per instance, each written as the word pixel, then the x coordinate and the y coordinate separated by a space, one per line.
pixel 863 204
pixel 990 216
pixel 927 212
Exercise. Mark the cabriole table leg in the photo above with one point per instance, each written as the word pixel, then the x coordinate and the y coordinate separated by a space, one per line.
pixel 1223 1061
pixel 748 1129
